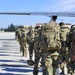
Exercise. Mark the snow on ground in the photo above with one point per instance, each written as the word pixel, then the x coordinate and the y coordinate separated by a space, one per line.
pixel 11 60
pixel 7 35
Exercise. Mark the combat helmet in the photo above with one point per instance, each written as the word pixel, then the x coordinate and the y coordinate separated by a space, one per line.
pixel 30 62
pixel 25 27
pixel 55 54
pixel 30 27
pixel 21 26
pixel 61 24
pixel 22 29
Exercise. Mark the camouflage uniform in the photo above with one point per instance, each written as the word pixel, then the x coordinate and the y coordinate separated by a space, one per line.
pixel 50 57
pixel 23 42
pixel 37 46
pixel 18 36
pixel 30 41
pixel 72 49
pixel 64 32
pixel 64 52
pixel 50 63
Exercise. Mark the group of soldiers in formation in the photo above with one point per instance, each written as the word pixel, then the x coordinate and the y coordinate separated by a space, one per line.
pixel 53 46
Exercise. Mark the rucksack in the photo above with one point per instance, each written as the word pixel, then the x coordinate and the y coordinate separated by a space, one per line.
pixel 37 38
pixel 19 34
pixel 30 37
pixel 64 31
pixel 72 37
pixel 51 37
pixel 72 31
pixel 23 35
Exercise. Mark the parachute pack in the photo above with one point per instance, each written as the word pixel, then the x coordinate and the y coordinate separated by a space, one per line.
pixel 51 36
pixel 23 35
pixel 30 37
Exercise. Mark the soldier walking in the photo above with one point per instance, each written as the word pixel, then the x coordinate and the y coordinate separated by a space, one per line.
pixel 37 48
pixel 24 41
pixel 50 46
pixel 30 41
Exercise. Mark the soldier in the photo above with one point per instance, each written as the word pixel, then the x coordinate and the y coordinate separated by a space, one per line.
pixel 23 42
pixel 64 32
pixel 72 50
pixel 37 46
pixel 30 41
pixel 50 46
pixel 18 35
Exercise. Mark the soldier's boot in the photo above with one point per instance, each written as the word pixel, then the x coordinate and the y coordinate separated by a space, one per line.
pixel 20 49
pixel 22 53
pixel 30 56
pixel 35 72
pixel 44 72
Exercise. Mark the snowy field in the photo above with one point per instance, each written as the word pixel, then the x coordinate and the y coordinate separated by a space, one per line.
pixel 11 60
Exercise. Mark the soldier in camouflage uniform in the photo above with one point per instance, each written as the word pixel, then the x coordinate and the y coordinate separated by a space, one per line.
pixel 24 41
pixel 30 41
pixel 64 32
pixel 37 46
pixel 50 46
pixel 18 35
pixel 72 50
pixel 64 52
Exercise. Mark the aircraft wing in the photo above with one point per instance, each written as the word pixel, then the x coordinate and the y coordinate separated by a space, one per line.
pixel 63 14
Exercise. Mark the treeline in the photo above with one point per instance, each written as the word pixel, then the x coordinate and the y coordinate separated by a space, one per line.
pixel 10 28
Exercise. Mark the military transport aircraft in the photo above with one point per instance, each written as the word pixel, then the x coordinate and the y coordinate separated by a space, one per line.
pixel 49 14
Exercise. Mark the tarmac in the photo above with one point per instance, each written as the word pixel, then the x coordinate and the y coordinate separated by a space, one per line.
pixel 11 60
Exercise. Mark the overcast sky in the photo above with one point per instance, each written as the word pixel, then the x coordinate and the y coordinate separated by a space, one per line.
pixel 34 6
